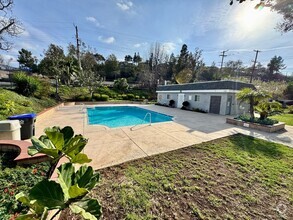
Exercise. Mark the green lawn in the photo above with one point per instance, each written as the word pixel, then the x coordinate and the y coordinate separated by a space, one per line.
pixel 237 177
pixel 287 118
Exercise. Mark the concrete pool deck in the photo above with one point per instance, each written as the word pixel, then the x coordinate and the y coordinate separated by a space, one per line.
pixel 107 147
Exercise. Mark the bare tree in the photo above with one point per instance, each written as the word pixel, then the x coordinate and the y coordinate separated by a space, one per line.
pixel 156 61
pixel 9 26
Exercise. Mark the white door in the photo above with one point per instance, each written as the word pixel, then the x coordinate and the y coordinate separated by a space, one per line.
pixel 180 100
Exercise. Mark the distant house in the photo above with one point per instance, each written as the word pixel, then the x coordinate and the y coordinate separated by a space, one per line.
pixel 218 97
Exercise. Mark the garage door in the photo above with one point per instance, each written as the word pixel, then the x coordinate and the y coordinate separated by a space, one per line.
pixel 215 104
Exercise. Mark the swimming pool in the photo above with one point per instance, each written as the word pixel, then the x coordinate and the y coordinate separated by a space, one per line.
pixel 120 116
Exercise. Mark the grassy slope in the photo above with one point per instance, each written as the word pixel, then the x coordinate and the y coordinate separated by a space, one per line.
pixel 22 104
pixel 287 118
pixel 237 177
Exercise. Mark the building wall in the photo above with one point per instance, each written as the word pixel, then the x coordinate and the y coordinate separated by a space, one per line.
pixel 204 101
pixel 164 100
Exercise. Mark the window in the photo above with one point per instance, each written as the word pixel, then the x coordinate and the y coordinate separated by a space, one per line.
pixel 196 98
pixel 168 96
pixel 189 97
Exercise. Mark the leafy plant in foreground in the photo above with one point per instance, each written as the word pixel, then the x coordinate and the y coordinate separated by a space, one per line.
pixel 72 187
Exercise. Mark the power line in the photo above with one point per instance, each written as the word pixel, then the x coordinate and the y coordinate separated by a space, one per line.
pixel 257 51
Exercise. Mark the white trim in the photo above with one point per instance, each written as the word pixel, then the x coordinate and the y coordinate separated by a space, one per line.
pixel 201 91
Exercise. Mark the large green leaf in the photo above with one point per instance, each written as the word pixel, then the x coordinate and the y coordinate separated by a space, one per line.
pixel 66 174
pixel 75 145
pixel 75 191
pixel 80 158
pixel 40 147
pixel 93 182
pixel 48 193
pixel 88 209
pixel 47 141
pixel 56 137
pixel 33 204
pixel 67 133
pixel 23 198
pixel 86 178
pixel 83 175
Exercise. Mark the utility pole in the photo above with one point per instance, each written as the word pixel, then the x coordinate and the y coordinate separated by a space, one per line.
pixel 253 68
pixel 223 56
pixel 77 46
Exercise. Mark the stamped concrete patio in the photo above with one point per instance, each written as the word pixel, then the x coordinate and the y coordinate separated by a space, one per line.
pixel 117 145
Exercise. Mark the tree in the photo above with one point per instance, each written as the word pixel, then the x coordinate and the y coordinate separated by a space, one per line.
pixel 283 7
pixel 183 59
pixel 197 63
pixel 171 67
pixel 128 58
pixel 136 58
pixel 233 68
pixel 289 91
pixel 210 73
pixel 9 26
pixel 111 67
pixel 191 61
pixel 252 97
pixel 26 60
pixel 266 109
pixel 276 64
pixel 184 76
pixel 121 85
pixel 53 64
pixel 88 76
pixel 70 70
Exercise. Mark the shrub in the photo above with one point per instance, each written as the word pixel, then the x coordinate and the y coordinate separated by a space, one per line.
pixel 290 109
pixel 266 121
pixel 124 97
pixel 106 91
pixel 121 85
pixel 172 103
pixel 99 97
pixel 185 105
pixel 72 93
pixel 24 84
pixel 199 110
pixel 44 89
pixel 130 96
pixel 82 98
pixel 160 104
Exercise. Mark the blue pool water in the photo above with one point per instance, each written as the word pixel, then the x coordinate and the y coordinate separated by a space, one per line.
pixel 119 116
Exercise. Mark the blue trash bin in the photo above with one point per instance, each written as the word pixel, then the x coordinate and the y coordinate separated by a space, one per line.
pixel 27 122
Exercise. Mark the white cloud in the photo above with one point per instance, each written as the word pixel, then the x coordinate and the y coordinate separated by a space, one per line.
pixel 124 5
pixel 93 20
pixel 169 47
pixel 107 40
pixel 25 33
pixel 138 45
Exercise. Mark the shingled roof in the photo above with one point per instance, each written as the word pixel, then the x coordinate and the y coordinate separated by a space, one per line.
pixel 210 85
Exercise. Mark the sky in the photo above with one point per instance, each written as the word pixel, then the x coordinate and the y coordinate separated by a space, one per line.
pixel 127 26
